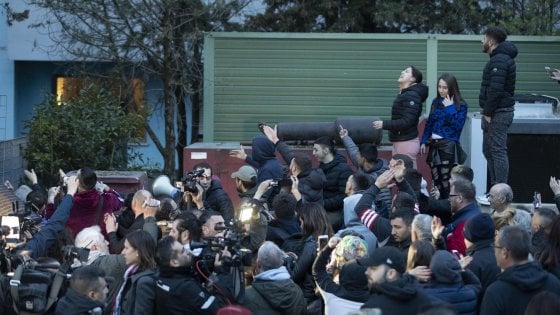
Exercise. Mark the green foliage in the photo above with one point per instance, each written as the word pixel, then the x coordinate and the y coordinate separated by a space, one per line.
pixel 92 129
pixel 519 17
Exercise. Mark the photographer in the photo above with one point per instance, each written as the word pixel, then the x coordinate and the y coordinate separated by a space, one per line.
pixel 209 193
pixel 177 280
pixel 87 293
pixel 48 233
pixel 144 208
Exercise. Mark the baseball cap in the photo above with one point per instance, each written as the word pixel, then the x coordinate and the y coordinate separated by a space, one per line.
pixel 389 256
pixel 245 173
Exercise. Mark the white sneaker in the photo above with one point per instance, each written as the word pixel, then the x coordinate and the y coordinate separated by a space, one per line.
pixel 483 200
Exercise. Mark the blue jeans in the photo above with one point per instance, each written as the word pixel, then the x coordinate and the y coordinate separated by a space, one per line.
pixel 494 145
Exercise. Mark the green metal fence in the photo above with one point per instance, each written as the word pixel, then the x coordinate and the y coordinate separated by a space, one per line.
pixel 289 77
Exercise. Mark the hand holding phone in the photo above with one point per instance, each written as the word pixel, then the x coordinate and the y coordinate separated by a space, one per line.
pixel 323 241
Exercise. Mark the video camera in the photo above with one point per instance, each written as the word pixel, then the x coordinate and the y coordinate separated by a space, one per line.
pixel 190 180
pixel 72 252
pixel 212 246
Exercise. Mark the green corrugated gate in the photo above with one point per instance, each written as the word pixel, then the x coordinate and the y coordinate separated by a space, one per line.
pixel 288 77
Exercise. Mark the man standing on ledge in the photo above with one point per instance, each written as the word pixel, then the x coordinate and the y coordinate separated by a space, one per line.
pixel 496 100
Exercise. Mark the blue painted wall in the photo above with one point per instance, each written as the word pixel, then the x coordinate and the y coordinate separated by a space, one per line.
pixel 34 79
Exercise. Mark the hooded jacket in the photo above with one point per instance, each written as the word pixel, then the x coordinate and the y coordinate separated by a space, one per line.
pixel 402 296
pixel 354 225
pixel 76 304
pixel 263 158
pixel 352 285
pixel 511 292
pixel 498 79
pixel 451 285
pixel 406 112
pixel 84 211
pixel 273 292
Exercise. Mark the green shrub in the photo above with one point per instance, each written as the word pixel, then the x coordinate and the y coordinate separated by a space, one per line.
pixel 92 129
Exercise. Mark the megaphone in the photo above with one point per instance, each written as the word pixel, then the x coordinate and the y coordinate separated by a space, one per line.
pixel 162 186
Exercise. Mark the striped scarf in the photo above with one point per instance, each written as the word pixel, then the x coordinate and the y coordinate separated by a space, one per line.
pixel 127 274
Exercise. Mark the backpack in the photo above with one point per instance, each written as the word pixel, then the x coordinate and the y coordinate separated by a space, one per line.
pixel 34 291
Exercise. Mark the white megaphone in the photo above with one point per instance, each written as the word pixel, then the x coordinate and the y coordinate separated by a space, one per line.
pixel 162 186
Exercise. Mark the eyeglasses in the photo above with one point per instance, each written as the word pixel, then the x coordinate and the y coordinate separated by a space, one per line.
pixel 453 195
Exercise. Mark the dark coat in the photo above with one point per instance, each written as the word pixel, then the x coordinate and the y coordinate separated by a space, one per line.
pixel 311 181
pixel 113 266
pixel 483 263
pixel 138 296
pixel 217 199
pixel 149 224
pixel 179 292
pixel 76 304
pixel 403 296
pixel 336 173
pixel 271 297
pixel 511 292
pixel 451 285
pixel 406 112
pixel 281 229
pixel 302 271
pixel 498 79
pixel 310 186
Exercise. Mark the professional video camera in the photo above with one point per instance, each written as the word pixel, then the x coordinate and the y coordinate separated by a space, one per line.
pixel 233 239
pixel 212 246
pixel 190 180
pixel 72 252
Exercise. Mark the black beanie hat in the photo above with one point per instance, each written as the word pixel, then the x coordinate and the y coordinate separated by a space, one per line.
pixel 480 227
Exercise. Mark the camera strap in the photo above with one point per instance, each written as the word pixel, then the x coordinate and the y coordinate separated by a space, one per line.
pixel 99 209
pixel 55 288
pixel 14 286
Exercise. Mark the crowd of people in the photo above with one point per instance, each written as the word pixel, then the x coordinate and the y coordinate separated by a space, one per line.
pixel 356 236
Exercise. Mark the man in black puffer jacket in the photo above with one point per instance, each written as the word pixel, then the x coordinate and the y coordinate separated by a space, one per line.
pixel 496 100
pixel 336 171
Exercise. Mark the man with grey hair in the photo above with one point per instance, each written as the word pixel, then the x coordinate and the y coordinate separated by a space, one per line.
pixel 421 228
pixel 500 198
pixel 273 291
pixel 113 266
pixel 520 280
